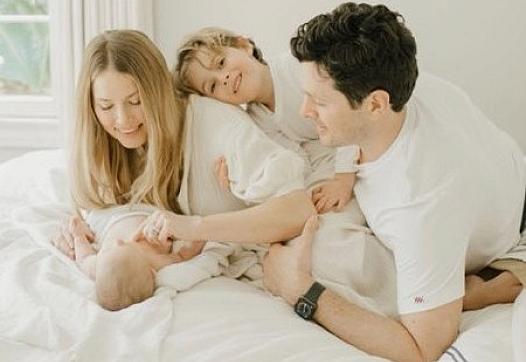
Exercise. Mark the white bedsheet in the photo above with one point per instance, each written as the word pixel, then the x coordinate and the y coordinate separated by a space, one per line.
pixel 48 310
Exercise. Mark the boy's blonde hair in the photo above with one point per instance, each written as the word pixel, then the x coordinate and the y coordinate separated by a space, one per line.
pixel 213 39
pixel 105 173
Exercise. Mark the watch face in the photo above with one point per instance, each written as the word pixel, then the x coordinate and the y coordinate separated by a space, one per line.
pixel 304 308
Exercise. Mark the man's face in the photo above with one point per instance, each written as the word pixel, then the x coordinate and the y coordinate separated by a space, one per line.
pixel 336 122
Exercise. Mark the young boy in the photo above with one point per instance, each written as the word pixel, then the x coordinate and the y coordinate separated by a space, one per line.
pixel 220 64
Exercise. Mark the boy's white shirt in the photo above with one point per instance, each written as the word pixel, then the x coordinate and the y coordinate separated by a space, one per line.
pixel 291 130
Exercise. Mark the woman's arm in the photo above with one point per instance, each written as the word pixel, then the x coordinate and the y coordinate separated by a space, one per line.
pixel 275 220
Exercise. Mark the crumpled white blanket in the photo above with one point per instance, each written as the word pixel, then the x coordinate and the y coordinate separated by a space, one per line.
pixel 48 310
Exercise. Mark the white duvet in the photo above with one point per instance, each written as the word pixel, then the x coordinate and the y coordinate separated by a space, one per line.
pixel 48 310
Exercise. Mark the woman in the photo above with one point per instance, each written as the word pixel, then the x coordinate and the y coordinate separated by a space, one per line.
pixel 127 147
pixel 126 143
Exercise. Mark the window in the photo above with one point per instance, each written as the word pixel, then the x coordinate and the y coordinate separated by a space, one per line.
pixel 28 73
pixel 41 46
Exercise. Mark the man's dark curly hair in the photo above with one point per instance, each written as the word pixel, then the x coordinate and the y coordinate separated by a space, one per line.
pixel 363 48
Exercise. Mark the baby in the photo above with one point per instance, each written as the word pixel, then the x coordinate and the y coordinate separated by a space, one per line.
pixel 124 270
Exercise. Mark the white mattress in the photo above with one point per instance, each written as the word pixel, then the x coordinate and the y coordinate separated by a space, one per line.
pixel 48 310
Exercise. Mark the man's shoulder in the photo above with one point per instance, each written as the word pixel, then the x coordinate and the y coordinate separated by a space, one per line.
pixel 439 94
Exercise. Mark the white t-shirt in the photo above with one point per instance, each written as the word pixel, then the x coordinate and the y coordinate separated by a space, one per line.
pixel 288 128
pixel 446 197
pixel 100 221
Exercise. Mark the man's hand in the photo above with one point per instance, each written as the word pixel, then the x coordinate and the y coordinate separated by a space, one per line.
pixel 287 268
pixel 334 194
pixel 221 172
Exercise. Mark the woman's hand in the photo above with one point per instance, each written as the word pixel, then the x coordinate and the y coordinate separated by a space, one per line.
pixel 163 225
pixel 70 229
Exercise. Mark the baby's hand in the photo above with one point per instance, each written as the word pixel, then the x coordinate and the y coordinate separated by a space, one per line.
pixel 70 229
pixel 334 194
pixel 83 248
pixel 221 172
pixel 78 228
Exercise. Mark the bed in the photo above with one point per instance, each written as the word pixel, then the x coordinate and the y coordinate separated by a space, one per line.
pixel 48 310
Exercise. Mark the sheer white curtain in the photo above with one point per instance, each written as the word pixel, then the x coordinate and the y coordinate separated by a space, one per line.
pixel 84 19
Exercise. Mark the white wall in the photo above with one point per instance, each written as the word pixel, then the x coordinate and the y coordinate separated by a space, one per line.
pixel 478 44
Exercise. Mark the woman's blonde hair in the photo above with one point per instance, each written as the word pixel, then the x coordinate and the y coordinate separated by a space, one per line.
pixel 213 39
pixel 105 173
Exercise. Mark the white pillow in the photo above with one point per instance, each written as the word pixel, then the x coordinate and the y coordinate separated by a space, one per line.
pixel 259 168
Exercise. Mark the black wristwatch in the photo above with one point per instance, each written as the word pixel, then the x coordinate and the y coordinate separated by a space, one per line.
pixel 308 303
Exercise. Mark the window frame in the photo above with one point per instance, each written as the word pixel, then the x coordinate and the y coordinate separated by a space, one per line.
pixel 34 121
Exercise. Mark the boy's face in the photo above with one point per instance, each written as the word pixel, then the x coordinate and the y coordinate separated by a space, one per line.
pixel 232 76
pixel 336 122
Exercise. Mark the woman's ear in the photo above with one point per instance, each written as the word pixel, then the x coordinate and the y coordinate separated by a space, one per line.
pixel 378 101
pixel 244 43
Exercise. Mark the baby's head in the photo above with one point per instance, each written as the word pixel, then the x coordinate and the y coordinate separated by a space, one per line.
pixel 123 277
pixel 220 64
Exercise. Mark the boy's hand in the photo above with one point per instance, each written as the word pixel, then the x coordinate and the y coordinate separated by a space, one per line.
pixel 334 194
pixel 221 172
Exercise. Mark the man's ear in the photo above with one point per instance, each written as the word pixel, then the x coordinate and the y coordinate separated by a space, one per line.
pixel 378 101
pixel 242 42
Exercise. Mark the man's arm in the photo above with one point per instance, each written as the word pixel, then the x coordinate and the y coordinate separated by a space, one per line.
pixel 422 336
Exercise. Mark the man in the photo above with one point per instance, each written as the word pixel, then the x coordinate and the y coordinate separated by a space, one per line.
pixel 438 183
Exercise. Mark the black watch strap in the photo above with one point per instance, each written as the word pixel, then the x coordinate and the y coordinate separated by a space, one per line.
pixel 314 293
pixel 307 304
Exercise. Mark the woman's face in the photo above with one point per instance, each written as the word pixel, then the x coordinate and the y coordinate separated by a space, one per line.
pixel 119 109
